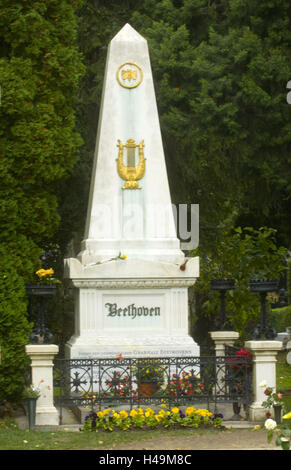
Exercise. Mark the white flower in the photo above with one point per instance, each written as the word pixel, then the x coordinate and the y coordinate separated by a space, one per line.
pixel 270 424
pixel 263 384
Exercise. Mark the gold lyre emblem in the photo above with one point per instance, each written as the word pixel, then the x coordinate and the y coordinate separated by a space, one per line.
pixel 131 173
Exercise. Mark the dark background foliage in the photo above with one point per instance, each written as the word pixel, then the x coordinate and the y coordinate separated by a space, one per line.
pixel 220 71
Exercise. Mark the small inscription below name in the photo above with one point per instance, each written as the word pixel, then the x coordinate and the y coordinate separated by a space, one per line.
pixel 131 311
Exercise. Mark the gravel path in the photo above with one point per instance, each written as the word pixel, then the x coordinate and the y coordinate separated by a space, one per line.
pixel 229 439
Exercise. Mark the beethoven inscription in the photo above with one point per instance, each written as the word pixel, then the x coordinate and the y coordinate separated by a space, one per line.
pixel 131 311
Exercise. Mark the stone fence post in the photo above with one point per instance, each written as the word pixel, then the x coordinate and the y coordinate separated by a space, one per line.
pixel 42 356
pixel 223 338
pixel 264 371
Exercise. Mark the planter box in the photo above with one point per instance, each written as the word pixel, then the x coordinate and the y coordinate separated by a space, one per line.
pixel 222 284
pixel 41 289
pixel 268 285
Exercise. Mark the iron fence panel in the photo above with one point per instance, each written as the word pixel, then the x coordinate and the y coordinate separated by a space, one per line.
pixel 133 382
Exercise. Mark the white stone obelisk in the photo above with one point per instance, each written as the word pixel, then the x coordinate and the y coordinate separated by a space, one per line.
pixel 135 304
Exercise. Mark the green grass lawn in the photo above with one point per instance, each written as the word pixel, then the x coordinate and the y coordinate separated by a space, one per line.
pixel 13 438
pixel 284 379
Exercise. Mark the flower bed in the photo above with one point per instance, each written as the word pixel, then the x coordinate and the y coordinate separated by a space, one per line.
pixel 111 420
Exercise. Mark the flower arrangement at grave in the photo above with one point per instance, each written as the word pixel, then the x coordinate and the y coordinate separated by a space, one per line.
pixel 283 432
pixel 185 384
pixel 273 399
pixel 110 420
pixel 149 371
pixel 46 276
pixel 33 391
pixel 119 386
pixel 240 362
pixel 237 374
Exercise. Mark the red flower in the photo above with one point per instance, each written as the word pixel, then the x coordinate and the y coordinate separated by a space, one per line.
pixel 243 352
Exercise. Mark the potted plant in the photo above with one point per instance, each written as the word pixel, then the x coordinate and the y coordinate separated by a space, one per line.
pixel 274 400
pixel 44 285
pixel 185 384
pixel 238 376
pixel 149 375
pixel 30 395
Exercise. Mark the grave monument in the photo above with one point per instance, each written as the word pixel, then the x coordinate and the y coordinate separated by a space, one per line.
pixel 131 292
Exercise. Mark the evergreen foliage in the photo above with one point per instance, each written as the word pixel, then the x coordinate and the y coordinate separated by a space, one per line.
pixel 242 255
pixel 40 68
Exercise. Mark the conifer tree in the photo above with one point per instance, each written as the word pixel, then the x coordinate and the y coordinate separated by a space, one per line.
pixel 40 68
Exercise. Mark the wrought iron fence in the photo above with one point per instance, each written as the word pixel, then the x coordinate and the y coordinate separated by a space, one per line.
pixel 132 382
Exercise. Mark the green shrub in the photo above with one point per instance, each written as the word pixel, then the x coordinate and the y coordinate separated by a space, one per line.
pixel 40 69
pixel 14 328
pixel 242 254
pixel 289 280
pixel 280 318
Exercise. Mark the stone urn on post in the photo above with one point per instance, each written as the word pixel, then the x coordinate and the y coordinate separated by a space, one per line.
pixel 262 286
pixel 40 291
pixel 222 286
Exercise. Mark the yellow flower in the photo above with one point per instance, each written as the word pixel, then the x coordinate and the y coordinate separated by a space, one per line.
pixel 203 413
pixel 116 415
pixel 45 272
pixel 105 412
pixel 133 413
pixel 123 414
pixel 124 256
pixel 140 411
pixel 287 416
pixel 100 414
pixel 189 410
pixel 147 414
pixel 175 410
pixel 40 272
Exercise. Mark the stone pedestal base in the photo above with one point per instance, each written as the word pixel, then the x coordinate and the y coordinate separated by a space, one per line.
pixel 42 356
pixel 143 346
pixel 133 307
pixel 264 372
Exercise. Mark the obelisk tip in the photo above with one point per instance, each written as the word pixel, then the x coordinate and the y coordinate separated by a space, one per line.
pixel 128 33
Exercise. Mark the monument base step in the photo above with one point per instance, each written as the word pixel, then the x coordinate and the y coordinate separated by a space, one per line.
pixel 180 347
